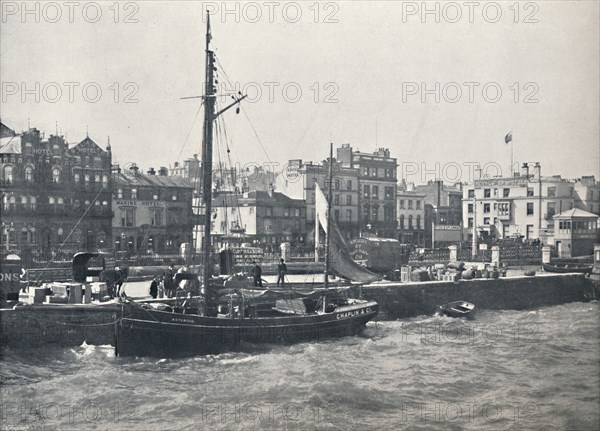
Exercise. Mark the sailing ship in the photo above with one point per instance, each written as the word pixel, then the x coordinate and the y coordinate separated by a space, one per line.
pixel 228 315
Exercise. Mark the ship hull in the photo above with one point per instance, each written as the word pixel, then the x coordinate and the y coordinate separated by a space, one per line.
pixel 165 334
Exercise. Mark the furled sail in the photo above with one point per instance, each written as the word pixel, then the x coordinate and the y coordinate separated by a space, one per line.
pixel 341 263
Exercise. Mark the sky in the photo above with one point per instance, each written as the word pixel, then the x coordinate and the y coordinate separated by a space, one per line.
pixel 438 83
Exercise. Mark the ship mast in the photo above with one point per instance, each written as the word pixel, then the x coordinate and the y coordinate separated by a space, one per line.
pixel 327 234
pixel 209 100
pixel 207 149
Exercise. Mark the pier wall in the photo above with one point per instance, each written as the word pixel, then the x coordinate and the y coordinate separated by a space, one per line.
pixel 400 300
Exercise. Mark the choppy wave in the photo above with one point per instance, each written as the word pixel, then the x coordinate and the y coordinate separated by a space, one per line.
pixel 505 370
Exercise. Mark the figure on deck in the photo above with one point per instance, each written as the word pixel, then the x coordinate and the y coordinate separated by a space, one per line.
pixel 257 274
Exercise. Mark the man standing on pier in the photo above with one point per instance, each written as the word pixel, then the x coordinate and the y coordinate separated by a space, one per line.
pixel 168 281
pixel 281 270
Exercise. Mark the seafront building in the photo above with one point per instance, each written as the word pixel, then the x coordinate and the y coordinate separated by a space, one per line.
pixel 56 198
pixel 443 212
pixel 521 206
pixel 377 178
pixel 263 219
pixel 153 211
pixel 410 210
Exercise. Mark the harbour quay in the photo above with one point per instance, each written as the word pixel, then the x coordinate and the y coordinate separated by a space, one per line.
pixel 73 324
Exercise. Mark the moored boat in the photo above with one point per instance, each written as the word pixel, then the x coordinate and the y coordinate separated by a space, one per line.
pixel 565 268
pixel 227 316
pixel 456 309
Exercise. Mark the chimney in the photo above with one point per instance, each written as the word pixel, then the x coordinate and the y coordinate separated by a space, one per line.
pixel 537 171
pixel 525 170
pixel 176 164
pixel 134 169
pixel 162 171
pixel 151 171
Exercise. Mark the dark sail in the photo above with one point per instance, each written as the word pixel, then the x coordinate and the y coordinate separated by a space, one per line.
pixel 341 263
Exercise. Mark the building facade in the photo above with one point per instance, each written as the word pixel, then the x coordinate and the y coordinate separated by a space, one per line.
pixel 576 233
pixel 411 215
pixel 377 181
pixel 587 194
pixel 153 211
pixel 298 181
pixel 522 206
pixel 55 198
pixel 267 219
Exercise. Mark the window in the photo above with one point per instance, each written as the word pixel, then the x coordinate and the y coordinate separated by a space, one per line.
pixel 87 179
pixel 486 208
pixel 486 193
pixel 470 209
pixel 269 212
pixel 336 214
pixel 367 191
pixel 389 192
pixel 76 177
pixel 402 203
pixel 529 208
pixel 174 197
pixel 550 209
pixel 336 184
pixel 470 222
pixel 410 204
pixel 419 221
pixel 374 214
pixel 156 217
pixel 410 221
pixel 97 178
pixel 402 221
pixel 119 193
pixel 551 192
pixel 128 217
pixel 349 184
pixel 366 212
pixel 51 200
pixel 8 174
pixel 495 192
pixel 133 193
pixel 471 193
pixel 29 174
pixel 529 192
pixel 349 199
pixel 503 208
pixel 418 205
pixel 56 175
pixel 388 213
pixel 155 195
pixel 349 215
pixel 286 212
pixel 375 192
pixel 373 172
pixel 486 220
pixel 505 192
pixel 336 199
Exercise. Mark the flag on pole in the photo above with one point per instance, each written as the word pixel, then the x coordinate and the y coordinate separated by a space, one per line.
pixel 508 137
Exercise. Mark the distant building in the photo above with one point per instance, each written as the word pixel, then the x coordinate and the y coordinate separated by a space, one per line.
pixel 411 215
pixel 522 206
pixel 576 233
pixel 55 198
pixel 266 218
pixel 377 188
pixel 443 210
pixel 587 194
pixel 298 181
pixel 153 211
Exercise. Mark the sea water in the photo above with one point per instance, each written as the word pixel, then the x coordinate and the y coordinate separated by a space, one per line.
pixel 525 370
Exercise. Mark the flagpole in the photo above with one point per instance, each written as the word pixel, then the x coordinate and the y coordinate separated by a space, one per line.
pixel 511 158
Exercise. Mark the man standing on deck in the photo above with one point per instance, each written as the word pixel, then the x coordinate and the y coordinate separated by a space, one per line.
pixel 168 275
pixel 281 270
pixel 257 274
